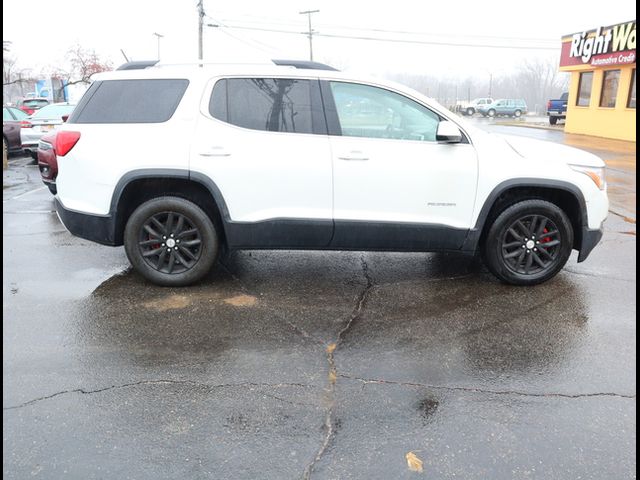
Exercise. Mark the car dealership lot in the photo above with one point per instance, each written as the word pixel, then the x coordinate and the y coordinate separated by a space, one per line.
pixel 328 364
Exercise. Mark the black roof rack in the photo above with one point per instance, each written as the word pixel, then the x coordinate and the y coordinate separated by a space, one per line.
pixel 139 65
pixel 306 64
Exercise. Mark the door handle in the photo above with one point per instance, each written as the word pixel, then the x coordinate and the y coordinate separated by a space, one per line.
pixel 354 156
pixel 215 152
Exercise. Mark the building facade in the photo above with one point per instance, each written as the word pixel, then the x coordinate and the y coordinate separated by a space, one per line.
pixel 602 93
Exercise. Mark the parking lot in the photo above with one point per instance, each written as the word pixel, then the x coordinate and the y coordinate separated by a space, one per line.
pixel 317 364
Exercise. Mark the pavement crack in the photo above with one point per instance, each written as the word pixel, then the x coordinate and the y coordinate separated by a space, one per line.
pixel 83 391
pixel 520 393
pixel 356 313
pixel 624 217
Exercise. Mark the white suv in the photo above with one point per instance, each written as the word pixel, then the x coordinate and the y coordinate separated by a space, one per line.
pixel 176 162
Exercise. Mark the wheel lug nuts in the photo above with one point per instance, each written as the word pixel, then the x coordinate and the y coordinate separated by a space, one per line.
pixel 172 235
pixel 537 241
pixel 162 245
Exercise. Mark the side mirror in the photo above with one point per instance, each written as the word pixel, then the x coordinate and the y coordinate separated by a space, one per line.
pixel 448 132
pixel 65 117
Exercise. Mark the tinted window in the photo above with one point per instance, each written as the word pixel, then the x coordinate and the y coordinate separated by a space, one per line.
pixel 270 104
pixel 584 89
pixel 130 101
pixel 631 102
pixel 610 82
pixel 53 111
pixel 564 96
pixel 372 112
pixel 6 115
pixel 35 103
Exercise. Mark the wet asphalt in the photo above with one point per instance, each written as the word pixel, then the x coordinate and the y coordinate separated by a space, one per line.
pixel 313 364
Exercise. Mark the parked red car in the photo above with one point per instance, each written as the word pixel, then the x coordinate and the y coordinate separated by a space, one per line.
pixel 30 105
pixel 11 118
pixel 48 161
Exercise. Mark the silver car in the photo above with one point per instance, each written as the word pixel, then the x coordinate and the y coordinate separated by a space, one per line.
pixel 40 123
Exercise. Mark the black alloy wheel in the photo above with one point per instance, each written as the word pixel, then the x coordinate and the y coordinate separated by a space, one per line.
pixel 528 243
pixel 531 244
pixel 170 242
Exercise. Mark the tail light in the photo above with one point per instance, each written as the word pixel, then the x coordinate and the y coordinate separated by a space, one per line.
pixel 549 105
pixel 65 141
pixel 25 124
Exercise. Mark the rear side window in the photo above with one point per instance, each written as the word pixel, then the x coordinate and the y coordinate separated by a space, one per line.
pixel 130 101
pixel 268 104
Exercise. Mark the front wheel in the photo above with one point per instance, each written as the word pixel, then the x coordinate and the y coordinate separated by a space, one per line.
pixel 528 243
pixel 171 241
pixel 517 113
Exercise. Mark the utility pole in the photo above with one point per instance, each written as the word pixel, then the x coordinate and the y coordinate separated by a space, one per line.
pixel 490 82
pixel 200 21
pixel 310 32
pixel 159 37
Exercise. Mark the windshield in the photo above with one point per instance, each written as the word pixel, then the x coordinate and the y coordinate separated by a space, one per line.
pixel 53 111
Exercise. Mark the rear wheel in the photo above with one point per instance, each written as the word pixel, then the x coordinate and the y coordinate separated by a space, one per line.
pixel 517 113
pixel 553 120
pixel 171 241
pixel 491 113
pixel 470 111
pixel 528 243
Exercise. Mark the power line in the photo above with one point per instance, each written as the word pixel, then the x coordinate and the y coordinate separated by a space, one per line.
pixel 381 30
pixel 393 40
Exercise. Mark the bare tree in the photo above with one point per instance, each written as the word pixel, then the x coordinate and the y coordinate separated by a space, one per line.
pixel 83 63
pixel 14 79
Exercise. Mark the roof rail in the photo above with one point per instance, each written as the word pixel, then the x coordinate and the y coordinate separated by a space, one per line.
pixel 306 64
pixel 138 65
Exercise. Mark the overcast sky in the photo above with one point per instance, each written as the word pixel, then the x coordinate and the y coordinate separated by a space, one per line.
pixel 42 30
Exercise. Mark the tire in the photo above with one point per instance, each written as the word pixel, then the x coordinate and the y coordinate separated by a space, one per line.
pixel 164 222
pixel 491 113
pixel 470 112
pixel 553 120
pixel 512 252
pixel 517 113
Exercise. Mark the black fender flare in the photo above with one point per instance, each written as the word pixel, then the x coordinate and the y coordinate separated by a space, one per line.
pixel 473 238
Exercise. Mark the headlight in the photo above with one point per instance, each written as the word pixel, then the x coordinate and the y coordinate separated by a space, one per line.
pixel 594 173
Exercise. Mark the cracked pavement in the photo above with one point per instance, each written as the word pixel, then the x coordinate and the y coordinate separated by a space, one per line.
pixel 311 364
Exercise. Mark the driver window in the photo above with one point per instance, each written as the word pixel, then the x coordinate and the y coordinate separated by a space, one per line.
pixel 372 112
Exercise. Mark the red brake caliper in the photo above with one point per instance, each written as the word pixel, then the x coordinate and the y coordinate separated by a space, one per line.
pixel 546 239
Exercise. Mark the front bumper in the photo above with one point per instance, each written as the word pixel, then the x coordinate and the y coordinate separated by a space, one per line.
pixel 590 238
pixel 97 228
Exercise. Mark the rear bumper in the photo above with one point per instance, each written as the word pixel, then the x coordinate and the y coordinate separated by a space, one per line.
pixel 97 228
pixel 590 238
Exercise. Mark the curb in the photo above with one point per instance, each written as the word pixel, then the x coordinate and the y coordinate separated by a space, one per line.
pixel 530 125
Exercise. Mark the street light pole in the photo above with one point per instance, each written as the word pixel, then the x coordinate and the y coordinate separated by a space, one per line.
pixel 159 37
pixel 310 32
pixel 200 21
